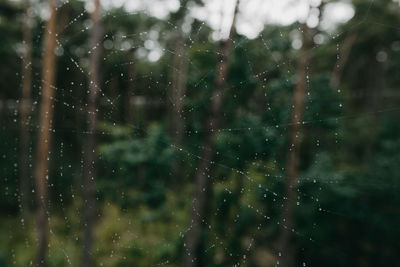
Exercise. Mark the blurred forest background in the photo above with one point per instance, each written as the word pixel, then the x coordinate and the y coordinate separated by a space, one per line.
pixel 134 139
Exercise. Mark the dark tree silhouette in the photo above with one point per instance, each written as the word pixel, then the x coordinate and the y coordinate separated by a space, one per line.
pixel 89 171
pixel 202 180
pixel 25 105
pixel 44 135
pixel 292 168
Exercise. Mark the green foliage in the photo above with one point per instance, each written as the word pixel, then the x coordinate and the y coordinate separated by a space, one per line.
pixel 139 165
pixel 348 191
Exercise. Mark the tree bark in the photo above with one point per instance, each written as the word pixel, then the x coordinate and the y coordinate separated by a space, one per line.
pixel 44 136
pixel 344 53
pixel 130 98
pixel 287 221
pixel 178 88
pixel 202 186
pixel 180 65
pixel 377 84
pixel 178 77
pixel 89 172
pixel 179 80
pixel 25 105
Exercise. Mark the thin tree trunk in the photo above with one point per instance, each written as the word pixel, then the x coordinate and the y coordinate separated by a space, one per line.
pixel 89 174
pixel 202 186
pixel 180 66
pixel 178 89
pixel 25 105
pixel 287 222
pixel 233 240
pixel 44 138
pixel 130 98
pixel 179 80
pixel 377 84
pixel 344 53
pixel 179 75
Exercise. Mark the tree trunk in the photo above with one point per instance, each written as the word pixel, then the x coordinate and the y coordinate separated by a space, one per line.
pixel 44 136
pixel 25 105
pixel 377 84
pixel 204 171
pixel 344 53
pixel 130 97
pixel 89 174
pixel 179 79
pixel 287 221
pixel 234 242
pixel 178 89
